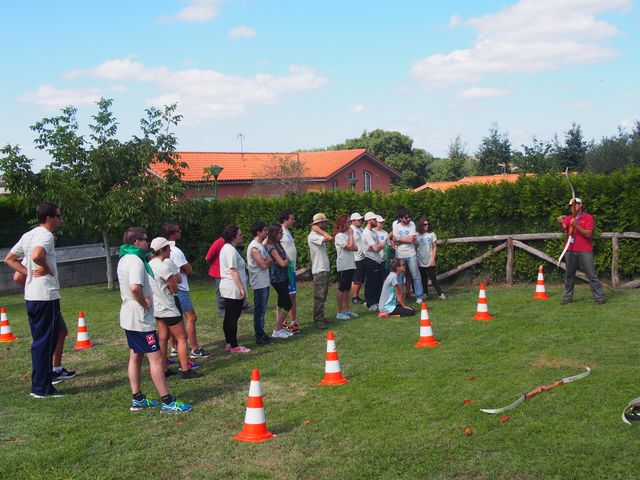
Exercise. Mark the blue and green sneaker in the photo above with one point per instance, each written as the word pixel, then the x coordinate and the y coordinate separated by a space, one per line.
pixel 176 407
pixel 142 404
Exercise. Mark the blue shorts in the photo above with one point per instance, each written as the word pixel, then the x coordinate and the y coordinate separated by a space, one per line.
pixel 185 301
pixel 143 342
pixel 291 273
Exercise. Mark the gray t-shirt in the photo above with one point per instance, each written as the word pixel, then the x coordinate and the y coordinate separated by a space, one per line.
pixel 164 302
pixel 133 316
pixel 383 236
pixel 258 277
pixel 318 248
pixel 426 241
pixel 43 288
pixel 370 238
pixel 388 300
pixel 357 238
pixel 404 250
pixel 345 259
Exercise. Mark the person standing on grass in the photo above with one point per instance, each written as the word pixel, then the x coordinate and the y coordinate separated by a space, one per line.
pixel 383 235
pixel 580 250
pixel 168 317
pixel 392 302
pixel 358 275
pixel 317 241
pixel 233 286
pixel 427 249
pixel 373 262
pixel 345 265
pixel 287 221
pixel 404 234
pixel 39 275
pixel 213 260
pixel 279 279
pixel 137 320
pixel 173 233
pixel 259 262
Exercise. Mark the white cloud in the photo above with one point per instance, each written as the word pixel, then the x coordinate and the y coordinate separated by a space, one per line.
pixel 204 93
pixel 52 98
pixel 358 108
pixel 478 92
pixel 242 32
pixel 199 11
pixel 629 123
pixel 455 20
pixel 528 37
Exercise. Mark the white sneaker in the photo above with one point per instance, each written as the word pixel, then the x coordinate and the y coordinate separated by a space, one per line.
pixel 282 333
pixel 174 352
pixel 373 308
pixel 419 300
pixel 442 297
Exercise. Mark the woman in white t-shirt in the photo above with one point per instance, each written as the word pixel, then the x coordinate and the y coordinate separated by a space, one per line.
pixel 426 250
pixel 233 286
pixel 345 265
pixel 166 276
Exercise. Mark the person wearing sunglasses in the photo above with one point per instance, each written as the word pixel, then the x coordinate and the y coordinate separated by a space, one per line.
pixel 426 250
pixel 404 234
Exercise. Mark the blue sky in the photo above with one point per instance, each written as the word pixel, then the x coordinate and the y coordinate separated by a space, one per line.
pixel 292 74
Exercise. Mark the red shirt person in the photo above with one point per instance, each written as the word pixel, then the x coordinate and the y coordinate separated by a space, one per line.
pixel 580 250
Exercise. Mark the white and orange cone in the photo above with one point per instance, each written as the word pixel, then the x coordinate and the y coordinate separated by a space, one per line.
pixel 426 333
pixel 482 312
pixel 5 329
pixel 255 425
pixel 540 294
pixel 332 371
pixel 82 342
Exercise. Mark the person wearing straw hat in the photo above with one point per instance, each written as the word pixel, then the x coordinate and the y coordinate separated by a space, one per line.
pixel 317 241
pixel 580 250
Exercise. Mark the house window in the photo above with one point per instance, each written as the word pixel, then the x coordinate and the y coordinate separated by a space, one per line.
pixel 367 182
pixel 334 185
pixel 352 181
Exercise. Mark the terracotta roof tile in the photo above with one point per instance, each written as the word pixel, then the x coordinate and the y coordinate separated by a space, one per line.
pixel 247 166
pixel 483 179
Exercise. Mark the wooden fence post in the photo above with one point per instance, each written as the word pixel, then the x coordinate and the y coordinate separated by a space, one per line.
pixel 615 253
pixel 510 252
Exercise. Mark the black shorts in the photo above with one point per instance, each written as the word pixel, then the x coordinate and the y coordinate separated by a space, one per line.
pixel 284 299
pixel 345 277
pixel 170 321
pixel 358 275
pixel 143 342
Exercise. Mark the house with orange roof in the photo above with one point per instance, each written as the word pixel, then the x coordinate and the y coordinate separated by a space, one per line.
pixel 471 180
pixel 267 174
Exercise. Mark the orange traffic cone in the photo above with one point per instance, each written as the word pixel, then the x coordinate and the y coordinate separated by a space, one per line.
pixel 255 425
pixel 426 334
pixel 83 342
pixel 540 294
pixel 482 312
pixel 5 328
pixel 332 372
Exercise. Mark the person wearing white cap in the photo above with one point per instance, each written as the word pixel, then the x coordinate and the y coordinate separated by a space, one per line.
pixel 317 241
pixel 169 319
pixel 358 275
pixel 373 262
pixel 580 250
pixel 384 235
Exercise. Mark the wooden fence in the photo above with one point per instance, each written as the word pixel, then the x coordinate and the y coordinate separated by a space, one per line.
pixel 511 242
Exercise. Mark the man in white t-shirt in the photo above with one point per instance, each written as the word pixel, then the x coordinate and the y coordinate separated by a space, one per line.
pixel 317 241
pixel 358 276
pixel 287 221
pixel 34 260
pixel 404 234
pixel 373 262
pixel 138 321
pixel 173 233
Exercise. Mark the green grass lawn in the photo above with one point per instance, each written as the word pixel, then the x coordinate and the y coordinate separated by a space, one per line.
pixel 402 414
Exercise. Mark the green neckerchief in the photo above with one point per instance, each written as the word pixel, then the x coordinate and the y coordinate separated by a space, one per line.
pixel 144 256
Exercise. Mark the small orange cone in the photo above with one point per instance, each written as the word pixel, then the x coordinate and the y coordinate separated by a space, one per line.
pixel 426 333
pixel 482 312
pixel 5 328
pixel 83 342
pixel 540 294
pixel 332 372
pixel 255 425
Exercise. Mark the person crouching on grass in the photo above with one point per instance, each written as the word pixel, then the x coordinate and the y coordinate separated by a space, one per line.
pixel 169 320
pixel 139 324
pixel 392 302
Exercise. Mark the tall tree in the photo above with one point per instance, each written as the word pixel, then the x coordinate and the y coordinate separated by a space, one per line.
pixel 494 154
pixel 573 153
pixel 457 159
pixel 539 157
pixel 102 184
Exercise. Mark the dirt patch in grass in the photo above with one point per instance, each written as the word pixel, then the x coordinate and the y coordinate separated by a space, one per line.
pixel 547 361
